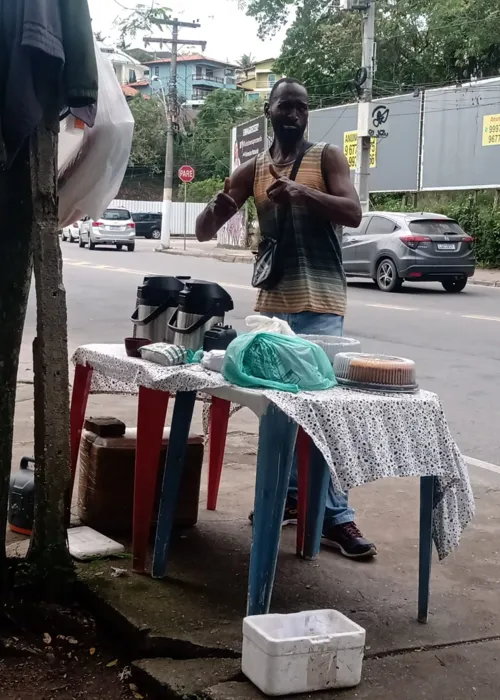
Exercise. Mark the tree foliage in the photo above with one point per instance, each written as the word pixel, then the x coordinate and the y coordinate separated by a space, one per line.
pixel 419 42
pixel 150 134
pixel 206 143
pixel 143 18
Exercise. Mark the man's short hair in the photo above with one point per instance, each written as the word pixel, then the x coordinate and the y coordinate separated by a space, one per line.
pixel 287 81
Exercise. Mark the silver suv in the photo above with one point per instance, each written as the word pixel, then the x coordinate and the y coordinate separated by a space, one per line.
pixel 115 227
pixel 393 247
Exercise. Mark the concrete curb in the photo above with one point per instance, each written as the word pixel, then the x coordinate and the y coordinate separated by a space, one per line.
pixel 223 257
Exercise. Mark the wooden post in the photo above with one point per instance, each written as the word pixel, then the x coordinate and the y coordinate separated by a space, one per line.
pixel 48 552
pixel 496 199
pixel 15 277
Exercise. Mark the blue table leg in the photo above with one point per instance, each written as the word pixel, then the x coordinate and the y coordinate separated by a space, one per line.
pixel 277 437
pixel 319 480
pixel 427 485
pixel 174 466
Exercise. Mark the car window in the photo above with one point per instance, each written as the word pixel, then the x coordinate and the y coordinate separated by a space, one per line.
pixel 379 224
pixel 351 230
pixel 139 217
pixel 436 227
pixel 116 214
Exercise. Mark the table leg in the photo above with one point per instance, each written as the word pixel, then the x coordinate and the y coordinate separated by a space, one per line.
pixel 219 418
pixel 277 438
pixel 319 480
pixel 303 451
pixel 174 466
pixel 151 414
pixel 79 398
pixel 427 485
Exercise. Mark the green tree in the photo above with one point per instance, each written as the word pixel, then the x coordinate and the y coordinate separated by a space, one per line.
pixel 246 61
pixel 150 135
pixel 419 42
pixel 206 143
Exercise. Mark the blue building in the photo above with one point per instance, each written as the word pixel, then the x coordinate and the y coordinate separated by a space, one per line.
pixel 197 77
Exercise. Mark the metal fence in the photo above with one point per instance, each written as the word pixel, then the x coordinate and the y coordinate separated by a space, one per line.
pixel 177 213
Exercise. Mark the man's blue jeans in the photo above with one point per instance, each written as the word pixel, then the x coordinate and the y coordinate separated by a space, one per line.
pixel 337 511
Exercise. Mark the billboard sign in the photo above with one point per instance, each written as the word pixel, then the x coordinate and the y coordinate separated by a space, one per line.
pixel 248 140
pixel 395 129
pixel 461 137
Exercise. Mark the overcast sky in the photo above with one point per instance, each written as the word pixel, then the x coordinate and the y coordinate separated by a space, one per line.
pixel 228 31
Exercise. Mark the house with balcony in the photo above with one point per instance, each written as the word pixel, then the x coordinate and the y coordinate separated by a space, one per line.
pixel 197 77
pixel 128 69
pixel 258 80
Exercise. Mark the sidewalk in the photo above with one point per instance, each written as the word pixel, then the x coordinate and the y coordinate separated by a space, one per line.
pixel 185 630
pixel 210 249
pixel 486 278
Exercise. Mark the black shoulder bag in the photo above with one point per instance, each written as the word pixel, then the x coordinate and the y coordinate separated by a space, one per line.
pixel 269 262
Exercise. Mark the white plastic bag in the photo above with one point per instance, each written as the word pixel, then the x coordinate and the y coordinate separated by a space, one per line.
pixel 258 324
pixel 91 180
pixel 71 132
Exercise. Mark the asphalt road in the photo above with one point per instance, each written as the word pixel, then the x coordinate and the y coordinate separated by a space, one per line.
pixel 455 340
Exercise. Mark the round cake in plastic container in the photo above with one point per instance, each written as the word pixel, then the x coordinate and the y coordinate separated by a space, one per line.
pixel 333 344
pixel 375 372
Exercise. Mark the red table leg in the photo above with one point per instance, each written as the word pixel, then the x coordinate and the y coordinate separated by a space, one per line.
pixel 219 417
pixel 151 414
pixel 303 451
pixel 79 398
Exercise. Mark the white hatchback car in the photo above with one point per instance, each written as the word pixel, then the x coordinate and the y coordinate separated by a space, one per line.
pixel 71 233
pixel 115 227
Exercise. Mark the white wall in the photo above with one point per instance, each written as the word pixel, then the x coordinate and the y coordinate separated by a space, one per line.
pixel 177 221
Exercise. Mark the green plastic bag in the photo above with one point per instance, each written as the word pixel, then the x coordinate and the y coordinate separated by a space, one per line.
pixel 275 361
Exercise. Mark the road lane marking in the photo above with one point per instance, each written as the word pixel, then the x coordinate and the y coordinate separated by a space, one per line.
pixel 482 318
pixel 482 465
pixel 390 306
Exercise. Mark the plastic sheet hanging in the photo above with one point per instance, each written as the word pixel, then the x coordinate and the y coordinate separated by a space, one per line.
pixel 91 175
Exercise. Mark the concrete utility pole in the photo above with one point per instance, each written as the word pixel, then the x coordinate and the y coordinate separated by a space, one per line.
pixel 362 172
pixel 172 115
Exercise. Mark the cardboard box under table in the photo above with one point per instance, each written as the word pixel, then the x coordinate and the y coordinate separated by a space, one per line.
pixel 106 482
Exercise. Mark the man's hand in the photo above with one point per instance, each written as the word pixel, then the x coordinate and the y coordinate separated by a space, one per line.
pixel 283 190
pixel 224 205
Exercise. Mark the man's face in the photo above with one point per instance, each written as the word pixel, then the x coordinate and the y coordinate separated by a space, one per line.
pixel 289 112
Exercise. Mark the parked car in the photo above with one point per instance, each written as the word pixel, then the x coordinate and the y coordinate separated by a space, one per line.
pixel 71 233
pixel 393 247
pixel 115 227
pixel 147 225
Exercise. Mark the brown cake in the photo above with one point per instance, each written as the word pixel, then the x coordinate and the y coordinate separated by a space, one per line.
pixel 394 371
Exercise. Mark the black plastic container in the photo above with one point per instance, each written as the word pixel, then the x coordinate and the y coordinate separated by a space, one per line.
pixel 218 338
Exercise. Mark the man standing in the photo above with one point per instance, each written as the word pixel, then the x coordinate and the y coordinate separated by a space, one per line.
pixel 311 296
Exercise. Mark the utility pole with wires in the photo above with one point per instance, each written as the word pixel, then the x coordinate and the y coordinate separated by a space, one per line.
pixel 172 115
pixel 362 172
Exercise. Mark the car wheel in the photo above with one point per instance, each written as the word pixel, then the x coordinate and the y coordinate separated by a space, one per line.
pixel 91 244
pixel 388 279
pixel 119 246
pixel 156 234
pixel 131 247
pixel 81 243
pixel 454 286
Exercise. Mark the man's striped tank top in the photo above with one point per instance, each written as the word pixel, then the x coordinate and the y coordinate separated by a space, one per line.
pixel 314 278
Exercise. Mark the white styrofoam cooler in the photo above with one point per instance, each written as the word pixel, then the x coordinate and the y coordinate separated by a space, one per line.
pixel 302 652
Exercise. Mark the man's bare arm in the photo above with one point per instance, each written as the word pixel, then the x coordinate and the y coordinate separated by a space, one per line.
pixel 237 189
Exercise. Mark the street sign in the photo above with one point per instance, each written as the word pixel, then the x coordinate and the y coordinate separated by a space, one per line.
pixel 186 173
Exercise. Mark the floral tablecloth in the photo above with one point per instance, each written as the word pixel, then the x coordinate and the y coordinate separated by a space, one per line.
pixel 362 436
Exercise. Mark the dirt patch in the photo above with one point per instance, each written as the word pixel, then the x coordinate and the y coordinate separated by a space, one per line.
pixel 70 660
